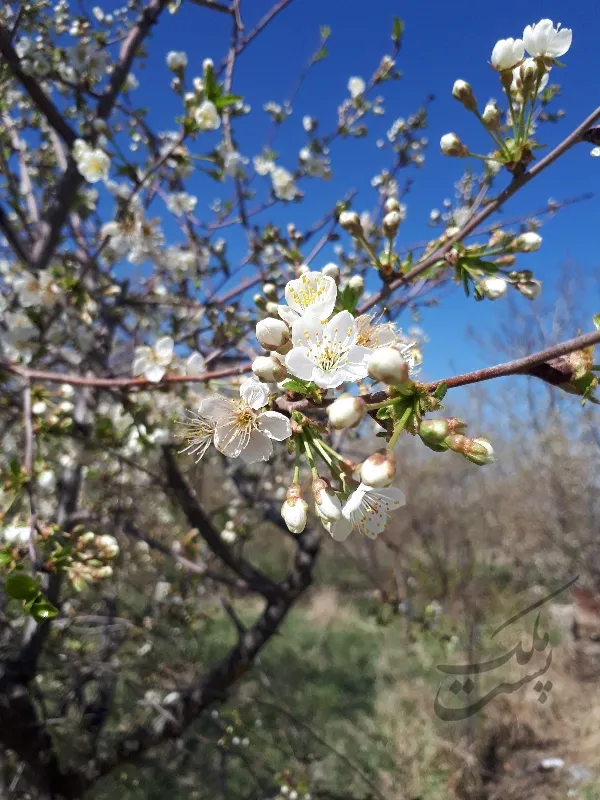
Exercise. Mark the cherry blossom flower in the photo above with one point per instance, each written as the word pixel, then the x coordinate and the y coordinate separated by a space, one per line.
pixel 284 185
pixel 356 87
pixel 312 293
pixel 326 352
pixel 180 203
pixel 37 291
pixel 207 117
pixel 543 39
pixel 176 60
pixel 240 430
pixel 507 53
pixel 368 508
pixel 92 163
pixel 152 362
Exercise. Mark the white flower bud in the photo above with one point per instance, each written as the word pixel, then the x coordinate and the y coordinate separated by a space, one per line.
pixel 530 289
pixel 387 365
pixel 268 369
pixel 493 287
pixel 176 60
pixel 480 451
pixel 270 291
pixel 391 223
pixel 491 115
pixel 346 412
pixel 108 545
pixel 379 469
pixel 207 64
pixel 527 242
pixel 507 53
pixel 259 301
pixel 302 270
pixel 327 505
pixel 272 308
pixel 198 85
pixel 463 92
pixel 295 510
pixel 332 270
pixel 451 145
pixel 350 221
pixel 357 283
pixel 391 204
pixel 272 333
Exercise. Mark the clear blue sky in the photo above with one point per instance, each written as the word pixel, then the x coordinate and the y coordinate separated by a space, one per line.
pixel 443 41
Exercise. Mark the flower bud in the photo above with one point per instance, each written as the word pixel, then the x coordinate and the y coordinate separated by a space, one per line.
pixel 259 301
pixel 456 442
pixel 479 451
pixel 272 308
pixel 357 283
pixel 391 204
pixel 463 92
pixel 198 85
pixel 581 361
pixel 436 430
pixel 268 369
pixel 506 261
pixel 387 365
pixel 332 270
pixel 176 60
pixel 270 291
pixel 346 412
pixel 272 333
pixel 530 289
pixel 350 221
pixel 391 223
pixel 295 510
pixel 108 545
pixel 327 505
pixel 379 469
pixel 491 116
pixel 527 242
pixel 451 145
pixel 302 270
pixel 493 287
pixel 207 65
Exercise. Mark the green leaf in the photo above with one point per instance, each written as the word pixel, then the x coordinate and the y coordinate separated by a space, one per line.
pixel 211 87
pixel 325 32
pixel 299 386
pixel 21 587
pixel 596 321
pixel 227 100
pixel 5 558
pixel 440 390
pixel 397 30
pixel 42 610
pixel 320 55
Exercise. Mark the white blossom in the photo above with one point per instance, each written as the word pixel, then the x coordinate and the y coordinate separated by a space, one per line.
pixel 543 39
pixel 240 430
pixel 176 60
pixel 326 352
pixel 368 508
pixel 37 291
pixel 207 117
pixel 356 87
pixel 284 185
pixel 180 203
pixel 312 293
pixel 92 163
pixel 507 53
pixel 152 362
pixel 493 287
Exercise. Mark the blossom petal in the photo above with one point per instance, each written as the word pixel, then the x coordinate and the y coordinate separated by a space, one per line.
pixel 195 365
pixel 254 393
pixel 154 372
pixel 217 408
pixel 312 292
pixel 340 530
pixel 287 314
pixel 561 42
pixel 275 425
pixel 299 364
pixel 141 360
pixel 356 366
pixel 342 327
pixel 164 350
pixel 259 448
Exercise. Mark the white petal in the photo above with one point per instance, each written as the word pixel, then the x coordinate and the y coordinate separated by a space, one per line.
pixel 393 497
pixel 217 408
pixel 307 331
pixel 140 361
pixel 342 327
pixel 328 380
pixel 354 501
pixel 561 43
pixel 164 350
pixel 154 373
pixel 275 425
pixel 357 364
pixel 340 530
pixel 195 365
pixel 287 314
pixel 259 448
pixel 255 393
pixel 299 364
pixel 312 292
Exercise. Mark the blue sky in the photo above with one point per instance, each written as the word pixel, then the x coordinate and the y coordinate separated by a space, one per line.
pixel 443 41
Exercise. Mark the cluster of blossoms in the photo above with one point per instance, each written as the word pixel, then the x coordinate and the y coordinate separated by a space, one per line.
pixel 315 349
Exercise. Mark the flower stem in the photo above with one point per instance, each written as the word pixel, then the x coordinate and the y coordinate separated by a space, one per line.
pixel 375 406
pixel 296 478
pixel 399 427
pixel 310 458
pixel 371 252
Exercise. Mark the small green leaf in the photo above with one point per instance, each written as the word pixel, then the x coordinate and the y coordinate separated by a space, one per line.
pixel 440 390
pixel 320 55
pixel 227 100
pixel 43 610
pixel 21 587
pixel 596 321
pixel 5 558
pixel 325 32
pixel 299 386
pixel 397 30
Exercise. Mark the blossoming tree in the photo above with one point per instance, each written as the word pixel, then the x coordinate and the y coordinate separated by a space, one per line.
pixel 113 384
